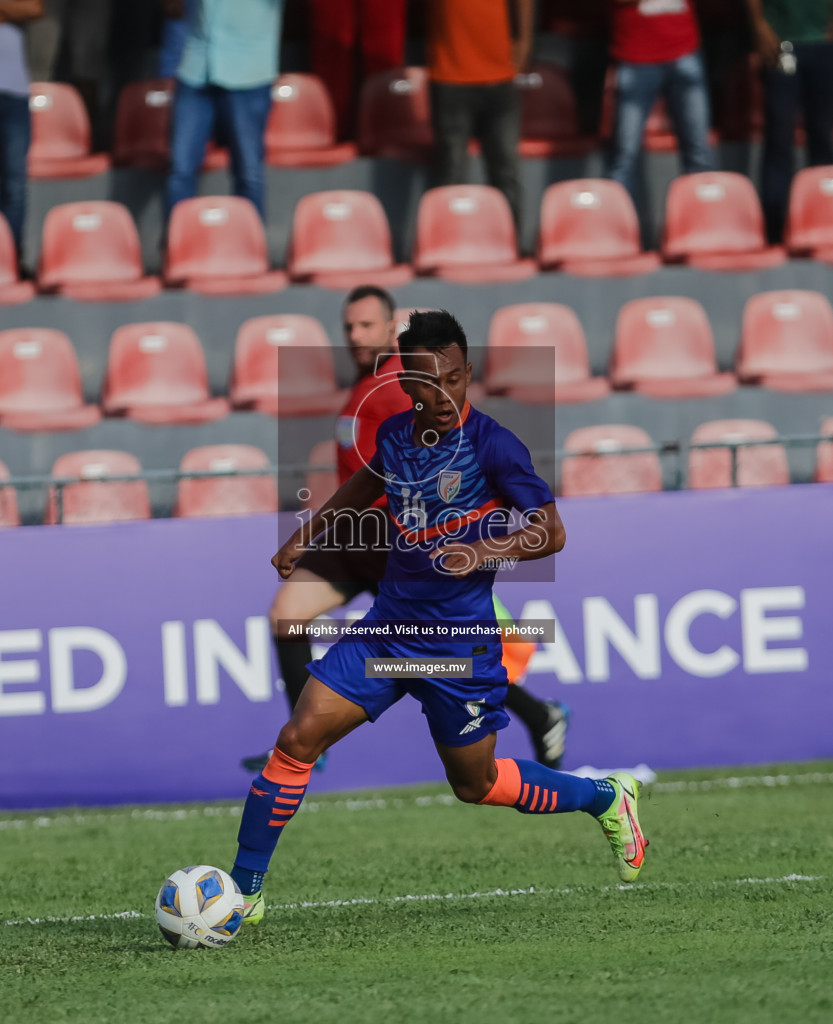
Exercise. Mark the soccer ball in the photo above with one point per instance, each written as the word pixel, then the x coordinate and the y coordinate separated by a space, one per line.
pixel 199 907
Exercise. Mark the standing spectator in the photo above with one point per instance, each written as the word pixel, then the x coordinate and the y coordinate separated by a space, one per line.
pixel 473 57
pixel 656 44
pixel 229 62
pixel 793 40
pixel 344 29
pixel 15 126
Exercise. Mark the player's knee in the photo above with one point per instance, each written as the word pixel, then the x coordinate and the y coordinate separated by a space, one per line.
pixel 470 791
pixel 299 739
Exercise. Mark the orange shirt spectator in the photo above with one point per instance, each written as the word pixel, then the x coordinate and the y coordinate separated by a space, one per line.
pixel 470 42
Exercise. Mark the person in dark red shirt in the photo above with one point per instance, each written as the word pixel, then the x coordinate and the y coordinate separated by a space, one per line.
pixel 656 44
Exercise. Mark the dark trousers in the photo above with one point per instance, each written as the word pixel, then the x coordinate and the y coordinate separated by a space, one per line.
pixel 489 113
pixel 15 131
pixel 811 88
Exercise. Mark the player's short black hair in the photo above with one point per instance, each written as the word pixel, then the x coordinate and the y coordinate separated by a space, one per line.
pixel 433 328
pixel 372 291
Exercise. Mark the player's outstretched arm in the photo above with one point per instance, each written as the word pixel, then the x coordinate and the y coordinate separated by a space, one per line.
pixel 356 494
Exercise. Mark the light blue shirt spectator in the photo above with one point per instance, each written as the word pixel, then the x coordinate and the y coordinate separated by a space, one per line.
pixel 174 31
pixel 14 78
pixel 232 43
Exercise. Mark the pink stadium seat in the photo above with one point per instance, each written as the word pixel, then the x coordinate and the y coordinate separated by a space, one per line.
pixel 466 233
pixel 787 341
pixel 156 373
pixel 597 471
pixel 226 495
pixel 217 246
pixel 714 221
pixel 12 289
pixel 40 382
pixel 589 226
pixel 395 115
pixel 824 454
pixel 9 515
pixel 284 365
pixel 760 466
pixel 664 348
pixel 341 239
pixel 96 499
pixel 537 352
pixel 549 123
pixel 300 130
pixel 322 478
pixel 810 217
pixel 141 131
pixel 60 146
pixel 91 251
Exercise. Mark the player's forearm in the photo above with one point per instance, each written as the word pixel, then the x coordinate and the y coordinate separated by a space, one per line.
pixel 19 11
pixel 537 540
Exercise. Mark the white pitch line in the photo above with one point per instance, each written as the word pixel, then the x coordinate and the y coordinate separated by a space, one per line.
pixel 359 901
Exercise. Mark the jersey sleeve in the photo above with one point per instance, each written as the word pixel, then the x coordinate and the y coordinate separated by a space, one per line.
pixel 512 475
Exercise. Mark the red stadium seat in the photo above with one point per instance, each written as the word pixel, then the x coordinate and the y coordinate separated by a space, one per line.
pixel 664 347
pixel 91 251
pixel 589 226
pixel 341 239
pixel 395 115
pixel 40 382
pixel 141 131
pixel 759 466
pixel 714 221
pixel 217 246
pixel 466 233
pixel 537 352
pixel 60 146
pixel 283 365
pixel 96 499
pixel 12 289
pixel 549 121
pixel 810 217
pixel 156 373
pixel 9 515
pixel 226 495
pixel 597 471
pixel 322 478
pixel 300 130
pixel 824 454
pixel 787 341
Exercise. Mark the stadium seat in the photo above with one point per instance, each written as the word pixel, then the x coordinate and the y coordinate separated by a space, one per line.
pixel 156 373
pixel 664 347
pixel 91 251
pixel 759 466
pixel 226 495
pixel 141 131
pixel 597 471
pixel 40 382
pixel 395 115
pixel 824 454
pixel 96 499
pixel 590 227
pixel 537 352
pixel 549 121
pixel 341 239
pixel 714 221
pixel 283 365
pixel 810 217
pixel 322 478
pixel 787 341
pixel 12 289
pixel 60 146
pixel 300 129
pixel 9 515
pixel 217 246
pixel 466 233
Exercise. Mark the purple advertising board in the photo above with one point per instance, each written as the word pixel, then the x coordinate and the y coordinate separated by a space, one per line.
pixel 690 629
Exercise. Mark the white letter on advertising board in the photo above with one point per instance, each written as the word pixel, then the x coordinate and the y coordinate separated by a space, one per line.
pixel 758 629
pixel 251 671
pixel 603 628
pixel 63 642
pixel 555 657
pixel 678 641
pixel 23 670
pixel 174 665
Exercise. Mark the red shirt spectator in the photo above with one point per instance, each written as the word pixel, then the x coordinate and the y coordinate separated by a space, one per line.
pixel 372 400
pixel 470 42
pixel 653 31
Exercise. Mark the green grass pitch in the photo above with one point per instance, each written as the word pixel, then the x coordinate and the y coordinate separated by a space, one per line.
pixel 404 906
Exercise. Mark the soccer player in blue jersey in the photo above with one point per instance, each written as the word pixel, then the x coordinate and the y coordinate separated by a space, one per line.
pixel 450 473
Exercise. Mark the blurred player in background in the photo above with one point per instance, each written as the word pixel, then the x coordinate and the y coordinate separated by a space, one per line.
pixel 440 572
pixel 324 580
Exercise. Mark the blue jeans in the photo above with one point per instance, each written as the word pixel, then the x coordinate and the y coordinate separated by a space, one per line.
pixel 15 130
pixel 240 115
pixel 683 84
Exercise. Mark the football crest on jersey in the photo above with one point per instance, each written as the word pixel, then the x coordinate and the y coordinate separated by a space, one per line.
pixel 344 431
pixel 449 483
